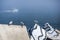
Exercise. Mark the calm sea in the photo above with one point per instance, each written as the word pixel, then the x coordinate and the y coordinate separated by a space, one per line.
pixel 30 10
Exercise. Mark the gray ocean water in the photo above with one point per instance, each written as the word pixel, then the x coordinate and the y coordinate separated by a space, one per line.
pixel 30 10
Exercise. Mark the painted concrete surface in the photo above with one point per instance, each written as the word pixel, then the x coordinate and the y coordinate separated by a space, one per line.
pixel 13 32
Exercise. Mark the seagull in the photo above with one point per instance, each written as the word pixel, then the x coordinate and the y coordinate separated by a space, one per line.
pixel 11 22
pixel 22 23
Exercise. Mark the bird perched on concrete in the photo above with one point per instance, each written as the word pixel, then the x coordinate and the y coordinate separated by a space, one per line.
pixel 10 23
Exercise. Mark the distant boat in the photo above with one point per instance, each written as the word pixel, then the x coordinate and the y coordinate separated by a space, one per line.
pixel 10 10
